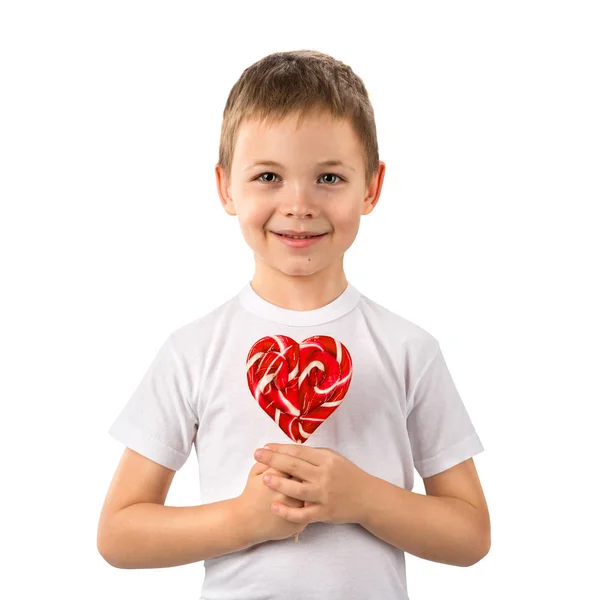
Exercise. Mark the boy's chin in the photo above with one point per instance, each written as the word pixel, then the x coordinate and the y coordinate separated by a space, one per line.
pixel 299 270
pixel 294 268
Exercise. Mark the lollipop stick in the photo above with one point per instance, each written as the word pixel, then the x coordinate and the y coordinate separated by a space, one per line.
pixel 296 537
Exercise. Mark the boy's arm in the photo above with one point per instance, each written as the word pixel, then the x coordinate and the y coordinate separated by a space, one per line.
pixel 150 536
pixel 449 525
pixel 136 530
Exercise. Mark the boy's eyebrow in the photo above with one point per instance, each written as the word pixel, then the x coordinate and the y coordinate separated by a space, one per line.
pixel 323 163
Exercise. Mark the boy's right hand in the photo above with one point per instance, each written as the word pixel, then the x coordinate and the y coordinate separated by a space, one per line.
pixel 256 500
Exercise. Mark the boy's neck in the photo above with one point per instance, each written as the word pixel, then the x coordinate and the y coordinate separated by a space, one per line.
pixel 299 292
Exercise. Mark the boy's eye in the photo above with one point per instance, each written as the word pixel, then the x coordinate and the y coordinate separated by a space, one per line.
pixel 269 173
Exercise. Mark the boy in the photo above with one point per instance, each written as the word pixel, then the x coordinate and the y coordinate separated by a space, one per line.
pixel 349 413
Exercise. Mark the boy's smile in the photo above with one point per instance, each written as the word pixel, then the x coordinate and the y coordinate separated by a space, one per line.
pixel 299 180
pixel 299 242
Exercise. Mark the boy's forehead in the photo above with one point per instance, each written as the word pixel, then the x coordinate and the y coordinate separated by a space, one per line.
pixel 321 136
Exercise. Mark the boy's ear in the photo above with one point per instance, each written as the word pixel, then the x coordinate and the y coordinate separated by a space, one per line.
pixel 223 190
pixel 374 189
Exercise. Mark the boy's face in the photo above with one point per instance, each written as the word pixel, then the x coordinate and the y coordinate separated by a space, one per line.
pixel 299 195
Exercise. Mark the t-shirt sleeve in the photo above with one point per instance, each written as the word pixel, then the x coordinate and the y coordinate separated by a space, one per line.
pixel 440 430
pixel 158 421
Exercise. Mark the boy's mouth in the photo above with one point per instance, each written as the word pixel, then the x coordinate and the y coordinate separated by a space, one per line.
pixel 299 237
pixel 298 241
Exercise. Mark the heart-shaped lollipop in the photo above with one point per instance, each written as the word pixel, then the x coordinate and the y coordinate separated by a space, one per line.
pixel 298 385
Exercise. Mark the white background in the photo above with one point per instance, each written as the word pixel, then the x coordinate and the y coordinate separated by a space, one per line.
pixel 112 235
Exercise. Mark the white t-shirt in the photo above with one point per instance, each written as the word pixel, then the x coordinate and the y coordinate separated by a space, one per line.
pixel 401 411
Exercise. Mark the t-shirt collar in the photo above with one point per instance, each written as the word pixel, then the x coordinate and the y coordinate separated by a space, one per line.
pixel 337 308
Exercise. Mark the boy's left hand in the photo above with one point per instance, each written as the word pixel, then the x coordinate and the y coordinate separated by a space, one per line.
pixel 331 486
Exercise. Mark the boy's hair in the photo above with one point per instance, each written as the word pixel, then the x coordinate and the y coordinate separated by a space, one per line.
pixel 304 82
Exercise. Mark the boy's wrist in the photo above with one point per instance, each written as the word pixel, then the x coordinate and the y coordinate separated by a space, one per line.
pixel 364 499
pixel 243 522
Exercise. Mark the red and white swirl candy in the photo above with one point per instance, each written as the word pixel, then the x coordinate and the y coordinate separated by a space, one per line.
pixel 298 385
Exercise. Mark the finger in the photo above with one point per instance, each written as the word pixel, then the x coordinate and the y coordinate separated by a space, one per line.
pixel 290 487
pixel 258 469
pixel 309 514
pixel 312 456
pixel 290 464
pixel 272 471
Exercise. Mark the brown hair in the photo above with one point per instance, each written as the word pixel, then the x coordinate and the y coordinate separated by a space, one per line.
pixel 304 82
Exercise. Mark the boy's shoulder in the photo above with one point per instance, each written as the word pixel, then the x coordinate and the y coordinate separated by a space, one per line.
pixel 202 329
pixel 394 324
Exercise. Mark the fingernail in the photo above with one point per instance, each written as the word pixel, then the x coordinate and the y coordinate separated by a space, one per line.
pixel 267 479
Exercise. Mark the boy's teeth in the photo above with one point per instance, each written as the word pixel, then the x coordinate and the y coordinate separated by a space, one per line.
pixel 297 237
